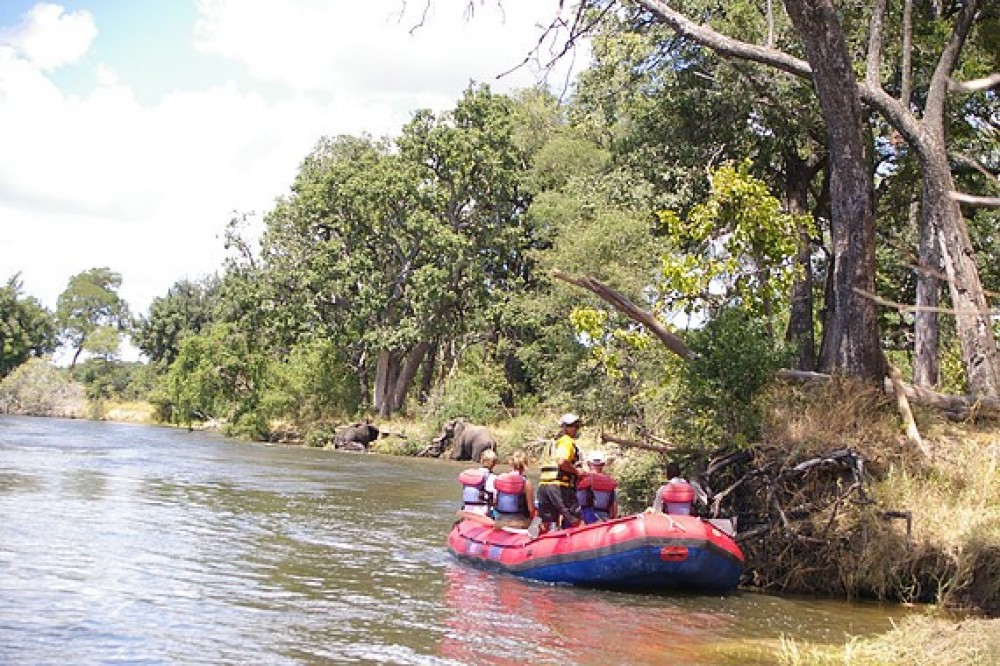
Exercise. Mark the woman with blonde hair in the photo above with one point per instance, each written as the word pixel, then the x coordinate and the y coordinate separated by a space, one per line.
pixel 515 504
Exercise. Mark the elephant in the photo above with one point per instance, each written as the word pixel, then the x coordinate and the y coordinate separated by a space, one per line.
pixel 468 441
pixel 356 437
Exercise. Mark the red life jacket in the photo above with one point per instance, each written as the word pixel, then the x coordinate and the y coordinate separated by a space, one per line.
pixel 474 494
pixel 596 490
pixel 603 488
pixel 678 496
pixel 510 494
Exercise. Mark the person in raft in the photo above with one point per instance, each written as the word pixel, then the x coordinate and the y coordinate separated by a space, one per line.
pixel 557 505
pixel 478 485
pixel 677 495
pixel 515 498
pixel 596 492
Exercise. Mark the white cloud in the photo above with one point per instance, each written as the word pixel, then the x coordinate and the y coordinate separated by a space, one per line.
pixel 99 179
pixel 49 37
pixel 379 47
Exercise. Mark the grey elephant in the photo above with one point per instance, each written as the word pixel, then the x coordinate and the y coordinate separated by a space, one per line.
pixel 468 441
pixel 356 437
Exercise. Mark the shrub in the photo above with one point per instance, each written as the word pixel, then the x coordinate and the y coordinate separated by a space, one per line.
pixel 719 401
pixel 473 393
pixel 312 384
pixel 38 388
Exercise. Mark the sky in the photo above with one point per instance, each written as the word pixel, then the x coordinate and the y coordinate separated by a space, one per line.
pixel 132 131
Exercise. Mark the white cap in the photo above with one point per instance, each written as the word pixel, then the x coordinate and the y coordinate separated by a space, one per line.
pixel 569 418
pixel 596 458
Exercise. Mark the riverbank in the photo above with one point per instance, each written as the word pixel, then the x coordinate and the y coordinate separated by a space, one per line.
pixel 915 641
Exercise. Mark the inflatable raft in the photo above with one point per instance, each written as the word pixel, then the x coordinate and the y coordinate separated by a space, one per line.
pixel 647 551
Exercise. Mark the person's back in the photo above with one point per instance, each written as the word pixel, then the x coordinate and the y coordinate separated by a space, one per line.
pixel 514 495
pixel 676 496
pixel 596 492
pixel 478 485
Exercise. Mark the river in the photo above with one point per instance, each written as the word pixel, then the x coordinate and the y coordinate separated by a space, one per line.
pixel 123 543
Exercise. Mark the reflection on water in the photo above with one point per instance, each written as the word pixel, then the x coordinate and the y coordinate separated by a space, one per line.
pixel 155 545
pixel 504 620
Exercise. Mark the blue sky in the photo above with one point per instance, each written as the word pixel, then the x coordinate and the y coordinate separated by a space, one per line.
pixel 131 130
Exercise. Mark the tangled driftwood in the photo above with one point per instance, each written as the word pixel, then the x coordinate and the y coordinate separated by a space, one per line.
pixel 788 511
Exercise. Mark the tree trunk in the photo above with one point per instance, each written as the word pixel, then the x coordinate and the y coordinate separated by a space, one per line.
pixel 427 380
pixel 972 313
pixel 386 370
pixel 927 136
pixel 852 343
pixel 406 374
pixel 800 322
pixel 926 323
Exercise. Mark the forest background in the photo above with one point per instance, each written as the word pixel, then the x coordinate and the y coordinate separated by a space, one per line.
pixel 650 250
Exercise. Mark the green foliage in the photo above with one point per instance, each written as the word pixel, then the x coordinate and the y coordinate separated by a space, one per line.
pixel 639 475
pixel 217 375
pixel 319 435
pixel 390 249
pixel 27 329
pixel 187 308
pixel 719 403
pixel 472 392
pixel 90 302
pixel 735 247
pixel 310 385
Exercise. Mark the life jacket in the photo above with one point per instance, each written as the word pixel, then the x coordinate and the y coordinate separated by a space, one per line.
pixel 678 496
pixel 510 500
pixel 596 490
pixel 550 472
pixel 474 494
pixel 603 488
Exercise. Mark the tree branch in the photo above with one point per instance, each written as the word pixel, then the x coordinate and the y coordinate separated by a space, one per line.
pixel 672 341
pixel 976 85
pixel 724 45
pixel 937 91
pixel 976 201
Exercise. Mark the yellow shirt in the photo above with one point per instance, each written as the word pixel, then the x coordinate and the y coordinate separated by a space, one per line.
pixel 565 449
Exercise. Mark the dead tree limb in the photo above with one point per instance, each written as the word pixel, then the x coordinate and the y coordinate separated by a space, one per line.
pixel 964 405
pixel 903 405
pixel 635 445
pixel 621 303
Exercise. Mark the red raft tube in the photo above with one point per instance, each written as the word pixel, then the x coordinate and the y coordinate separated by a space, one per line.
pixel 642 552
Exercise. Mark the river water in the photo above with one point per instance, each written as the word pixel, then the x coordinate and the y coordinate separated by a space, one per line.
pixel 134 544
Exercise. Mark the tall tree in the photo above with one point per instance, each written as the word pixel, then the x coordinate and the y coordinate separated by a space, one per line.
pixel 188 307
pixel 27 329
pixel 943 231
pixel 89 302
pixel 851 344
pixel 978 343
pixel 395 250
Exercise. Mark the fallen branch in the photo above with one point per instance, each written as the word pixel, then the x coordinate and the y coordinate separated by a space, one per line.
pixel 958 404
pixel 903 405
pixel 672 341
pixel 635 445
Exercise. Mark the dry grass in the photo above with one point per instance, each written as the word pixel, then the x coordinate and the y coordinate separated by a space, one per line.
pixel 131 412
pixel 952 555
pixel 916 641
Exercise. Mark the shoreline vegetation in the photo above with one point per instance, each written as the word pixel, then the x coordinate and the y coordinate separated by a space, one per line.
pixel 952 548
